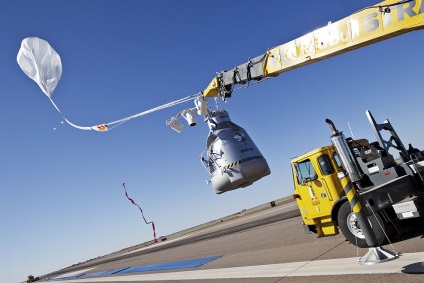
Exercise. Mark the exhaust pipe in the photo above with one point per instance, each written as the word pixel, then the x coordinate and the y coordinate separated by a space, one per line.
pixel 345 155
pixel 333 128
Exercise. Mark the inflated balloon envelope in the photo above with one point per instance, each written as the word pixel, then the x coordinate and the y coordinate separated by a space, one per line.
pixel 40 62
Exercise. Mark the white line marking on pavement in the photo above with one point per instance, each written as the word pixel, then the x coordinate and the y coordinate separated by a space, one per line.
pixel 341 266
pixel 74 273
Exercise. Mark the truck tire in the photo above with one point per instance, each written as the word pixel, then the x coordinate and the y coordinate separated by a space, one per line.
pixel 312 228
pixel 352 231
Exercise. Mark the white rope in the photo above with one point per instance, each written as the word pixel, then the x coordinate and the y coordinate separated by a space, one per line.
pixel 109 126
pixel 106 126
pixel 381 226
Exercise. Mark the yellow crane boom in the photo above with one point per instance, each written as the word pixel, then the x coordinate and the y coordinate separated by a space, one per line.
pixel 372 24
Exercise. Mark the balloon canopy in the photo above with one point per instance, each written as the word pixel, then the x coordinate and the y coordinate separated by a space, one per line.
pixel 40 62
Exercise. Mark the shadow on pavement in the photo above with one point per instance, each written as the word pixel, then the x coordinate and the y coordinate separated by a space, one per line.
pixel 415 268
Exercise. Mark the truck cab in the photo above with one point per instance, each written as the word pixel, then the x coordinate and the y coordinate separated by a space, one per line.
pixel 317 188
pixel 388 190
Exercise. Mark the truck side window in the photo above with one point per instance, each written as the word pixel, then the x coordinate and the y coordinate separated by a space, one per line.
pixel 356 152
pixel 325 164
pixel 305 172
pixel 337 159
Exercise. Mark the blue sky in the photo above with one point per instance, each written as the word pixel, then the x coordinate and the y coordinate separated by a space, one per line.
pixel 62 199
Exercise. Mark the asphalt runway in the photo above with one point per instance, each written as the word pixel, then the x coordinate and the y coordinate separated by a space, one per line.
pixel 268 246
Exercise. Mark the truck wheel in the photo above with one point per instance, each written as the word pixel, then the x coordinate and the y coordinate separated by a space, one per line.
pixel 352 231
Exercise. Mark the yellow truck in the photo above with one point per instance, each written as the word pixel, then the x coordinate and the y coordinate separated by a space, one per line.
pixel 389 190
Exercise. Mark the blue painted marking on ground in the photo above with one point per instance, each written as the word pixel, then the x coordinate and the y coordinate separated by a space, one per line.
pixel 191 263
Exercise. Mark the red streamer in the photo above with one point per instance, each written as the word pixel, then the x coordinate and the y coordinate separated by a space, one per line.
pixel 142 214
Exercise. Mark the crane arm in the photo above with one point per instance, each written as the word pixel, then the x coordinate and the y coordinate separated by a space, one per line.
pixel 384 20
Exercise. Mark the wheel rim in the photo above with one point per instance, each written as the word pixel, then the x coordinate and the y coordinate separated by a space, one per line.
pixel 353 226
